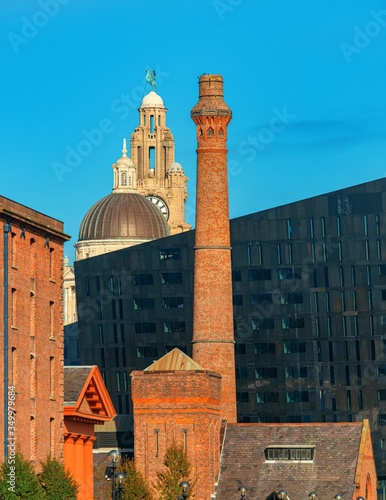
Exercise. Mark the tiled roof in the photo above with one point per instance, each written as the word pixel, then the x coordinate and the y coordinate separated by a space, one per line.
pixel 331 471
pixel 74 379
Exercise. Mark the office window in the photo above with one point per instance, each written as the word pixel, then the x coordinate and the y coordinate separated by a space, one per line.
pixel 141 279
pixel 263 323
pixel 294 347
pixel 279 259
pixel 147 352
pixel 323 225
pixel 242 397
pixel 171 278
pixel 287 323
pixel 377 225
pixel 170 254
pixel 338 227
pixel 290 273
pixel 144 303
pixel 259 274
pixel 296 372
pixel 145 327
pixel 291 298
pixel 174 326
pixel 241 373
pixel 267 397
pixel 237 300
pixel 365 225
pixel 101 340
pixel 236 275
pixel 264 348
pixel 311 227
pixel 261 298
pixel 353 281
pixel 265 372
pixel 367 250
pixel 297 397
pixel 382 269
pixel 289 229
pixel 173 302
pixel 240 348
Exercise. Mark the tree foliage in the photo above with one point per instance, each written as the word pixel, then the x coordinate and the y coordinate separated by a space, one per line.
pixel 177 469
pixel 135 485
pixel 18 480
pixel 56 481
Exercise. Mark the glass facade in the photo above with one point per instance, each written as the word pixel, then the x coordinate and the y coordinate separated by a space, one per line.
pixel 309 301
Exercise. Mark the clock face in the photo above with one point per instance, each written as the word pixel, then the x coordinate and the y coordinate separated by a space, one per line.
pixel 160 204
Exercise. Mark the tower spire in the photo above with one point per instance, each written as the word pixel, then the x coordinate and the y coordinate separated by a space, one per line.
pixel 124 150
pixel 213 336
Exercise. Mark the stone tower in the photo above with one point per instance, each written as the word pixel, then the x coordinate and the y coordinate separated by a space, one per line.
pixel 159 177
pixel 213 335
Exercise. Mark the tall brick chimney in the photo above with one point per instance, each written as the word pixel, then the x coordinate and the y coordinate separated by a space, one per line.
pixel 213 337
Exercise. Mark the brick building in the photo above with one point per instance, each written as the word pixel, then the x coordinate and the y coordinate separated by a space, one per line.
pixel 307 332
pixel 32 329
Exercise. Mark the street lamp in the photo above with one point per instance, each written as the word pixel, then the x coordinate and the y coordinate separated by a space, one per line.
pixel 242 490
pixel 282 495
pixel 313 495
pixel 184 489
pixel 121 476
pixel 111 474
pixel 338 496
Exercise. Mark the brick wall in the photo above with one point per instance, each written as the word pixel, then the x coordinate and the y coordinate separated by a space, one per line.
pixel 35 356
pixel 183 406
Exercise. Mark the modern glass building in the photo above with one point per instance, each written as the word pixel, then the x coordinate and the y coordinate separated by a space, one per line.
pixel 309 297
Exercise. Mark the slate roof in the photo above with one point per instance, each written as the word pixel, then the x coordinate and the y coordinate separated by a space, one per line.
pixel 74 379
pixel 331 471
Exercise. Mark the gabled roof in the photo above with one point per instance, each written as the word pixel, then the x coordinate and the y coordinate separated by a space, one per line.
pixel 337 449
pixel 175 360
pixel 85 395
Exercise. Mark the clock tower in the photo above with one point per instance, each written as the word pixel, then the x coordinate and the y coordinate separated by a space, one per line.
pixel 159 177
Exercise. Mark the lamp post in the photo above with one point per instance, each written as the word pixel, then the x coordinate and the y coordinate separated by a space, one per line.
pixel 242 489
pixel 282 495
pixel 338 496
pixel 121 476
pixel 313 495
pixel 111 474
pixel 184 490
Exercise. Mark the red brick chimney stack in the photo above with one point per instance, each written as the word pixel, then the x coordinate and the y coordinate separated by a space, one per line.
pixel 213 337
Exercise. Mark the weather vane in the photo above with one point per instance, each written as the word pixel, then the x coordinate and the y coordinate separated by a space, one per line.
pixel 150 78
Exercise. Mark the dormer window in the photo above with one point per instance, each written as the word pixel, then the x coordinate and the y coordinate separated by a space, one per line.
pixel 303 453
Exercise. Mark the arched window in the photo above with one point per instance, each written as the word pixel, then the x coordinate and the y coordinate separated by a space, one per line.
pixel 221 132
pixel 123 178
pixel 210 131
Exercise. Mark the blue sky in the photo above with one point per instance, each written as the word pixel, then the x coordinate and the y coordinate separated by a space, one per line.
pixel 305 79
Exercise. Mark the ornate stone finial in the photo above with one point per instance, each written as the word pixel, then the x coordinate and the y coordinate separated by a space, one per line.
pixel 65 261
pixel 150 78
pixel 124 150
